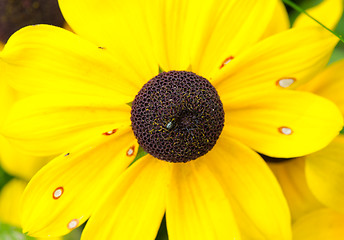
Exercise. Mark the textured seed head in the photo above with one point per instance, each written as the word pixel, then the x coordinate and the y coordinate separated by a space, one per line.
pixel 177 116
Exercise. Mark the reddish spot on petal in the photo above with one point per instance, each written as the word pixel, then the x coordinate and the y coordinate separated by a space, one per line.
pixel 58 192
pixel 226 61
pixel 131 151
pixel 285 130
pixel 73 224
pixel 110 132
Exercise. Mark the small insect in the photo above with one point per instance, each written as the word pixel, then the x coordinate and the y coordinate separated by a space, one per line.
pixel 170 124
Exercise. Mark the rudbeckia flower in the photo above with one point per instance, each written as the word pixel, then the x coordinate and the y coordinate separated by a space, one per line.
pixel 201 87
pixel 316 180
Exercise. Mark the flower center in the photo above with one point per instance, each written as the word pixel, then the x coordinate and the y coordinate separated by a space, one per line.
pixel 177 116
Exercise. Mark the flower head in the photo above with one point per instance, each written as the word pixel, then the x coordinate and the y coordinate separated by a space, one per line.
pixel 177 116
pixel 209 182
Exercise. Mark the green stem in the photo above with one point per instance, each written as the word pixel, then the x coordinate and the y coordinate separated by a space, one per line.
pixel 300 10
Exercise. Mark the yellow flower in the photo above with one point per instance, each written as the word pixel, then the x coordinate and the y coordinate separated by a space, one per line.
pixel 82 85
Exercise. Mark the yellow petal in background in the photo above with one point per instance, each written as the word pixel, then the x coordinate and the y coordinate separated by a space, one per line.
pixel 197 206
pixel 47 124
pixel 18 163
pixel 291 177
pixel 136 204
pixel 44 58
pixel 284 124
pixel 328 12
pixel 329 84
pixel 320 225
pixel 63 194
pixel 255 196
pixel 325 174
pixel 279 22
pixel 293 57
pixel 10 197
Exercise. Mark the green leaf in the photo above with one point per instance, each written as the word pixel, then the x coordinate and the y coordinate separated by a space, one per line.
pixel 4 178
pixel 160 69
pixel 162 234
pixel 140 154
pixel 293 14
pixel 9 232
pixel 337 54
pixel 75 234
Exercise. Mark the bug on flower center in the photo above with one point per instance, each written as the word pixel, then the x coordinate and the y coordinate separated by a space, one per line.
pixel 177 116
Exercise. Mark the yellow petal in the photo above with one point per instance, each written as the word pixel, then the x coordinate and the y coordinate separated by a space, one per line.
pixel 7 96
pixel 44 58
pixel 289 58
pixel 10 197
pixel 17 163
pixel 118 26
pixel 197 206
pixel 63 194
pixel 320 225
pixel 47 124
pixel 228 29
pixel 291 177
pixel 329 84
pixel 279 22
pixel 256 199
pixel 136 204
pixel 285 123
pixel 328 12
pixel 325 174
